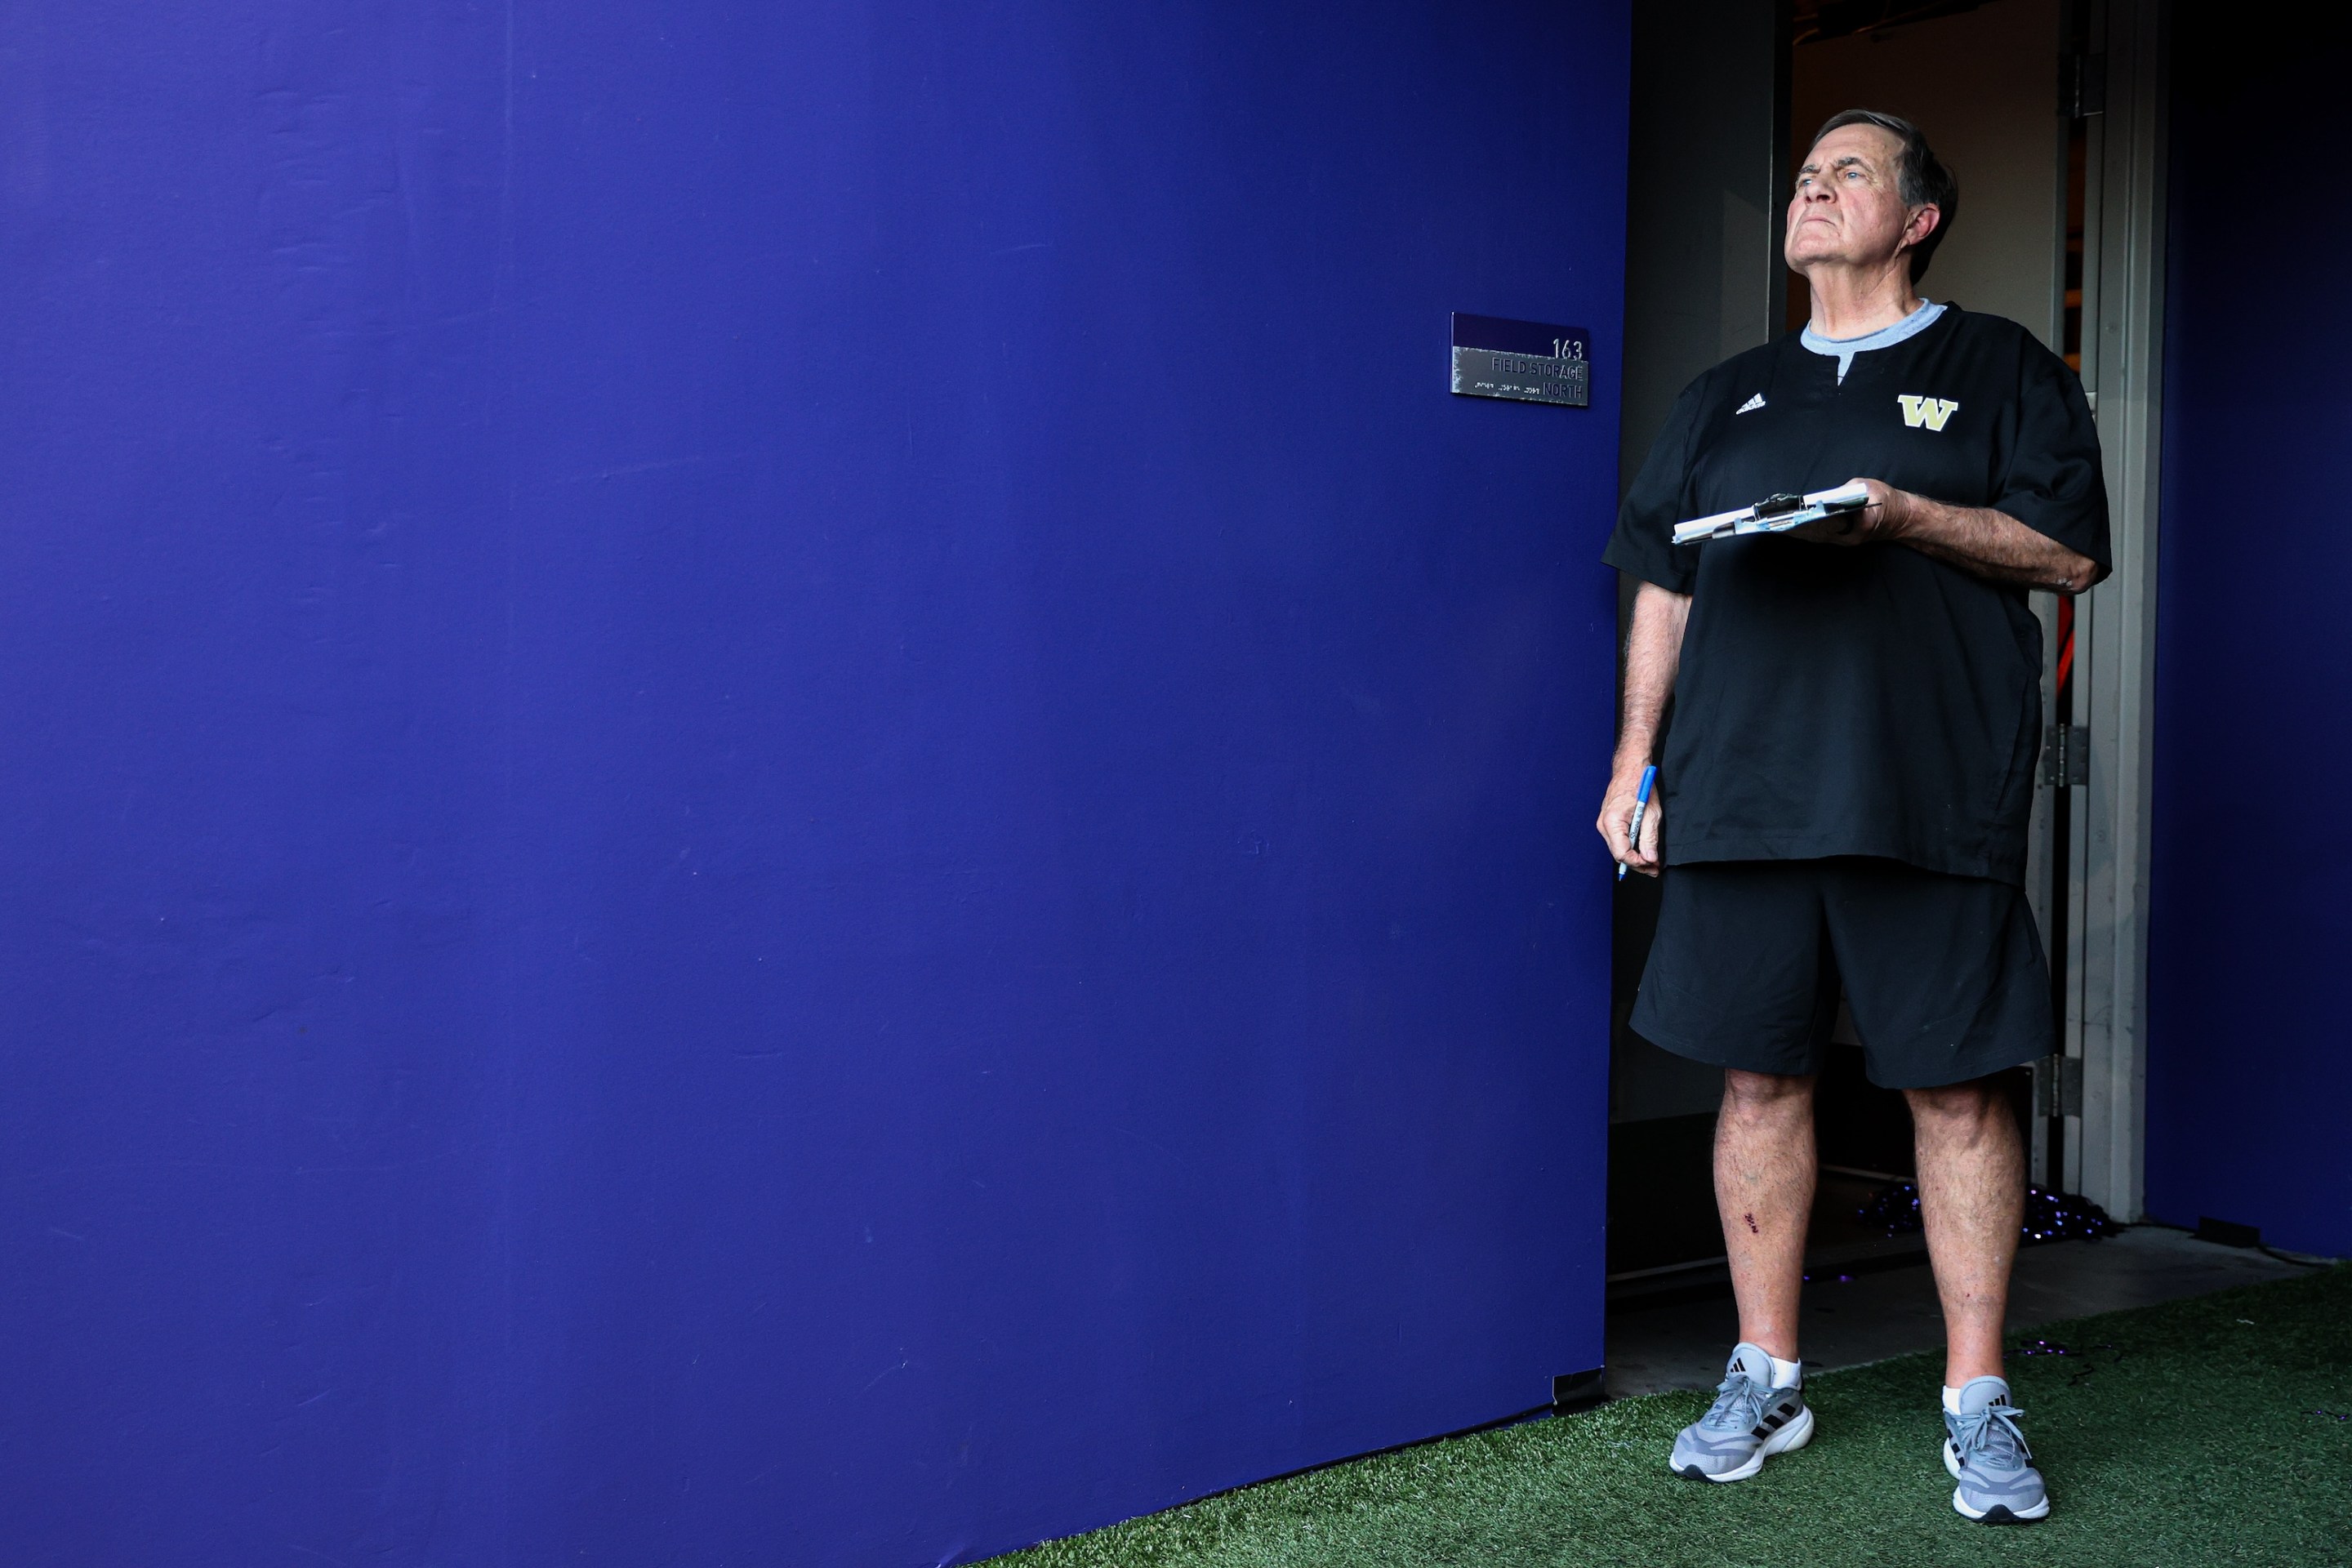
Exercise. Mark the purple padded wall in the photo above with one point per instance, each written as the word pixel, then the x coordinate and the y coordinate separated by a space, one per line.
pixel 778 785
pixel 2248 1079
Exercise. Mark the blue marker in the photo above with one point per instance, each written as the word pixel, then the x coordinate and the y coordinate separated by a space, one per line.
pixel 1641 804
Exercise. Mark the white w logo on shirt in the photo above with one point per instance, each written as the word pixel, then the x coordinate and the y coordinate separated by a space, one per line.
pixel 1929 411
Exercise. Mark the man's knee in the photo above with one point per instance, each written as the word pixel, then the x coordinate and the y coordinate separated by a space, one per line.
pixel 1957 1104
pixel 1766 1094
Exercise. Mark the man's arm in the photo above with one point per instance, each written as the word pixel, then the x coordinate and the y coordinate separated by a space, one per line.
pixel 1653 651
pixel 1973 538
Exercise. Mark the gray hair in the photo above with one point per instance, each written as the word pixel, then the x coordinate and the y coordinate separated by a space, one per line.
pixel 1923 180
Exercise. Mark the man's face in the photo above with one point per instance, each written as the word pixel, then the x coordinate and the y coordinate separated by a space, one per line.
pixel 1848 205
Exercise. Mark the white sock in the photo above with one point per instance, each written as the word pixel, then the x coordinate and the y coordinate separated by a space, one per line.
pixel 1951 1402
pixel 1787 1374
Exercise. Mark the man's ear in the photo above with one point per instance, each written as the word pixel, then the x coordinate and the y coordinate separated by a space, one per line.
pixel 1924 222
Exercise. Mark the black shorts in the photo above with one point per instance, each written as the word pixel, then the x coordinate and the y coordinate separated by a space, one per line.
pixel 1945 973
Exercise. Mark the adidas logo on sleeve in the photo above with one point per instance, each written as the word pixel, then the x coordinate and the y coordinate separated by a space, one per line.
pixel 1750 406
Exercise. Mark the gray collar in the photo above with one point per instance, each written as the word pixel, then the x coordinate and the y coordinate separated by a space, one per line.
pixel 1843 350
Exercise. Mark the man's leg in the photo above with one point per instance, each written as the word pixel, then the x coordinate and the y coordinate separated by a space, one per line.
pixel 1764 1172
pixel 1972 1197
pixel 1764 1187
pixel 1762 1016
pixel 1946 981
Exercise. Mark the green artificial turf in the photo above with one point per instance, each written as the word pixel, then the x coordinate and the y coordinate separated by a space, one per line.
pixel 2200 1432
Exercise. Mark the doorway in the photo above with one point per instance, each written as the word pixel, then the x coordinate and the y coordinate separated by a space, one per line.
pixel 1725 96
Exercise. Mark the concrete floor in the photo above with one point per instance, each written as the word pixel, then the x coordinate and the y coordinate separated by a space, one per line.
pixel 1873 1316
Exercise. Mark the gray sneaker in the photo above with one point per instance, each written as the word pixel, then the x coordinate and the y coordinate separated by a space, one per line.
pixel 1750 1421
pixel 1986 1453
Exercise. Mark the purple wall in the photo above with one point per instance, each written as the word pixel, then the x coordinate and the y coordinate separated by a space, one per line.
pixel 2249 1055
pixel 779 786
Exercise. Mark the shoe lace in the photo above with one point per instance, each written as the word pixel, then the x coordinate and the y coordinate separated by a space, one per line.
pixel 1992 1433
pixel 1739 1402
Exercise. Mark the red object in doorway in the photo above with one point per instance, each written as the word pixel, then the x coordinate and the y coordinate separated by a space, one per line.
pixel 2065 642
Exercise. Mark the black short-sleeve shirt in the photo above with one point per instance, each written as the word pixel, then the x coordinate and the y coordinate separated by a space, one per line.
pixel 1863 700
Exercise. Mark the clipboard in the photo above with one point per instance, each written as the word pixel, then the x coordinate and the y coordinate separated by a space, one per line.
pixel 1775 514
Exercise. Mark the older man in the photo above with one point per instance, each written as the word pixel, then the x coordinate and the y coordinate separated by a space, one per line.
pixel 1844 791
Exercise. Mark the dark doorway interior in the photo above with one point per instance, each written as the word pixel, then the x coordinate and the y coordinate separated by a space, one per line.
pixel 1725 96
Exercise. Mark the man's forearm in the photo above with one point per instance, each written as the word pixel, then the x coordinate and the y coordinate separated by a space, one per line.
pixel 1653 648
pixel 1987 543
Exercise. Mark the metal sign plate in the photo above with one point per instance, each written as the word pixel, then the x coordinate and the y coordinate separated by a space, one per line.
pixel 1527 362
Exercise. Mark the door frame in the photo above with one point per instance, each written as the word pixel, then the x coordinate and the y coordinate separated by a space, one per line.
pixel 2105 1022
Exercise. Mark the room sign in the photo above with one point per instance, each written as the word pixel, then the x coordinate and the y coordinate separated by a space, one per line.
pixel 1527 361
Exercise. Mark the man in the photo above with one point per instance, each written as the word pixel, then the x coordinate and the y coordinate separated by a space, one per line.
pixel 1843 794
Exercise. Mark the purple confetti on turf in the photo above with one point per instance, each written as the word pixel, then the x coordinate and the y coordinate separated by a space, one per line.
pixel 2049 1216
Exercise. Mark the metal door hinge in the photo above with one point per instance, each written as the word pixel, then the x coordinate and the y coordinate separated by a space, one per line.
pixel 2082 86
pixel 2066 756
pixel 2058 1086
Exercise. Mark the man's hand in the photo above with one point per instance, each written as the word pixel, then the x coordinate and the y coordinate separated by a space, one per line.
pixel 1880 518
pixel 1654 649
pixel 1617 812
pixel 1976 539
